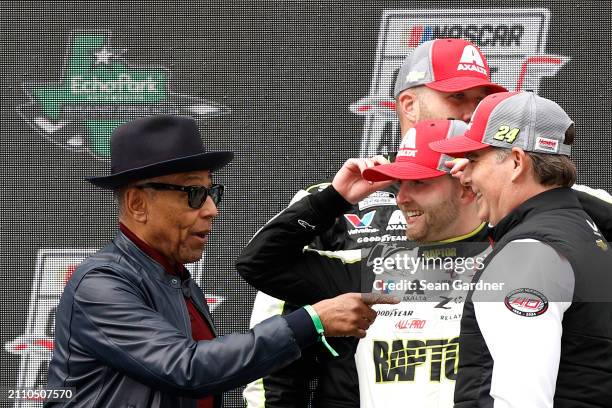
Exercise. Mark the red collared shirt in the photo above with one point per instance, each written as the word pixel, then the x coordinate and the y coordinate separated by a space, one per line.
pixel 200 330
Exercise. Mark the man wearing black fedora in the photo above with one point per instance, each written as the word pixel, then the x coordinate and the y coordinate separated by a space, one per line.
pixel 132 328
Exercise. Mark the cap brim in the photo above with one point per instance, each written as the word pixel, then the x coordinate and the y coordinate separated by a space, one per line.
pixel 457 84
pixel 400 171
pixel 457 146
pixel 204 161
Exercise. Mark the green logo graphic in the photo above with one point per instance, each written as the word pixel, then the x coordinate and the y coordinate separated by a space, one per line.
pixel 98 92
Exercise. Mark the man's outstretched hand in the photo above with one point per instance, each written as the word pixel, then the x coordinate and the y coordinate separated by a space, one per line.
pixel 349 183
pixel 350 314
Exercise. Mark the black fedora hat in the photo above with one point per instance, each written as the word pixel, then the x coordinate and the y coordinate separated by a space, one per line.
pixel 155 146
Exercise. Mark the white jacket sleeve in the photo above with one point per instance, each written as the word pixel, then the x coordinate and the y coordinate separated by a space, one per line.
pixel 522 328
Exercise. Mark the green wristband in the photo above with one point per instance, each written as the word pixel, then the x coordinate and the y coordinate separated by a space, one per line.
pixel 316 320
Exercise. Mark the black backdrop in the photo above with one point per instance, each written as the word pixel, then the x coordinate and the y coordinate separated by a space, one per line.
pixel 288 71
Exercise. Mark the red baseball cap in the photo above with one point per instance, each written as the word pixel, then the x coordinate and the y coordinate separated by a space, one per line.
pixel 415 160
pixel 447 65
pixel 512 119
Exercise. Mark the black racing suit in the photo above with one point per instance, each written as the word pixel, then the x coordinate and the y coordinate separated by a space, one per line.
pixel 291 386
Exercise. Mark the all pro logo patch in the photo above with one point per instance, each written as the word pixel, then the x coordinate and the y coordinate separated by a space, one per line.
pixel 526 302
pixel 376 199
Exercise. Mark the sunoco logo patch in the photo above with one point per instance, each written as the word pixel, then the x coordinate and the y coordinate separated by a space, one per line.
pixel 98 92
pixel 513 41
pixel 376 199
pixel 526 302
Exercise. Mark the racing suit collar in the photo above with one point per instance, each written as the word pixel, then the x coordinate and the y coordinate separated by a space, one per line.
pixel 467 245
pixel 475 235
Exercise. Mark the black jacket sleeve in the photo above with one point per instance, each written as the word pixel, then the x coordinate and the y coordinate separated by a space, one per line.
pixel 276 262
pixel 334 238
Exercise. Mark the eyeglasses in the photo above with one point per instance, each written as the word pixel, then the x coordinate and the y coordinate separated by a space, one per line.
pixel 196 195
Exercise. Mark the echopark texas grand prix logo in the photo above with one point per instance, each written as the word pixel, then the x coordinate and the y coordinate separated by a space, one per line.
pixel 513 40
pixel 54 267
pixel 99 91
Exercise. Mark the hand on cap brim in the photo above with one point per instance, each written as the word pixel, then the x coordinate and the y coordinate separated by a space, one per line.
pixel 350 184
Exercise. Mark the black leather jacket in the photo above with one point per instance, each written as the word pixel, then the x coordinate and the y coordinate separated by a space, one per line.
pixel 123 337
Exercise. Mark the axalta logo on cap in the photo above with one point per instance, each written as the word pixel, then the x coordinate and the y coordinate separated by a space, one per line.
pixel 408 146
pixel 546 145
pixel 471 60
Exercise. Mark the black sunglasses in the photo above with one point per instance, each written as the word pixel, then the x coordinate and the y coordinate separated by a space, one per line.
pixel 196 195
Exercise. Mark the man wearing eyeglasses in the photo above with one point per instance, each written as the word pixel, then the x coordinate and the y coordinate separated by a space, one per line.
pixel 132 328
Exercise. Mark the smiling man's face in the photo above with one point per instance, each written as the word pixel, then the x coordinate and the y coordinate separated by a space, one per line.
pixel 488 174
pixel 430 207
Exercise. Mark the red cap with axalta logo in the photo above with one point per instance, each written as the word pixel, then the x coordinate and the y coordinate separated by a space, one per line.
pixel 415 160
pixel 447 65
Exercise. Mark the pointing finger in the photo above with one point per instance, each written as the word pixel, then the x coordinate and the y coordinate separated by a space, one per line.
pixel 379 299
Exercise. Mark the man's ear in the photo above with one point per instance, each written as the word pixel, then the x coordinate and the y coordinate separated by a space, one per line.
pixel 136 204
pixel 466 194
pixel 520 163
pixel 408 107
